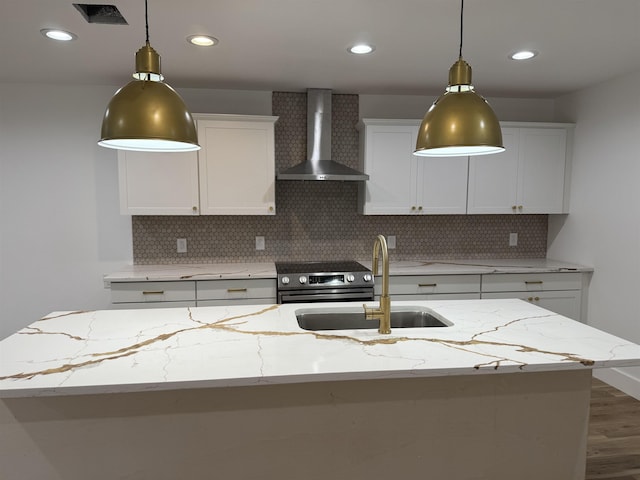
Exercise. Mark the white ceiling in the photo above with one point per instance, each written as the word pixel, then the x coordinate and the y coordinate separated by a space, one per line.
pixel 291 45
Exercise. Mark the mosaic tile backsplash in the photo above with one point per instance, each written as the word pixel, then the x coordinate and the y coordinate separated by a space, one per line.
pixel 319 220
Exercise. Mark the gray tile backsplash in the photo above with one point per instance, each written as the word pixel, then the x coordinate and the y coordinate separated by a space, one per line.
pixel 319 220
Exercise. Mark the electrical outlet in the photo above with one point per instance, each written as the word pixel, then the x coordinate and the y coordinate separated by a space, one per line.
pixel 259 243
pixel 391 242
pixel 513 239
pixel 182 245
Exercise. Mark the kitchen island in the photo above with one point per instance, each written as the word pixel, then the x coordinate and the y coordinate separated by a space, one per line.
pixel 243 392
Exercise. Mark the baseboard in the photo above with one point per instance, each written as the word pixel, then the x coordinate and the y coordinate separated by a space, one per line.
pixel 620 380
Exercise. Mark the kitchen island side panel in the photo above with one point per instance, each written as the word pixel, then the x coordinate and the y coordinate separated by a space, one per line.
pixel 504 426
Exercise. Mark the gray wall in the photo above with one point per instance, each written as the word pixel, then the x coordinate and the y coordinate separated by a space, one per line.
pixel 603 229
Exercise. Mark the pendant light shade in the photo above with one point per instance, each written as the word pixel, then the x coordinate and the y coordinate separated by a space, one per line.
pixel 460 122
pixel 147 114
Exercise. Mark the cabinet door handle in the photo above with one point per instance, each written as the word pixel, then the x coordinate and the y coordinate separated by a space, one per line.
pixel 533 282
pixel 427 285
pixel 236 290
pixel 153 292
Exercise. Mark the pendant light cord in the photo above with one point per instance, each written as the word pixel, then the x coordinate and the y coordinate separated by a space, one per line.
pixel 461 25
pixel 146 21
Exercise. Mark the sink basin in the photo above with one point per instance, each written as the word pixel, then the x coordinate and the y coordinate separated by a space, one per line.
pixel 350 318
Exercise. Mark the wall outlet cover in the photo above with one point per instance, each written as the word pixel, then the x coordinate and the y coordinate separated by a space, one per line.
pixel 513 239
pixel 182 245
pixel 260 243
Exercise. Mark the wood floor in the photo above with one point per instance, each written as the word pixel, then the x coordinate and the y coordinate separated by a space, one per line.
pixel 613 448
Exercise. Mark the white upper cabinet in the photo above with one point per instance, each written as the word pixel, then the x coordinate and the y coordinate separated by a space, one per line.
pixel 401 183
pixel 531 176
pixel 232 174
pixel 237 165
pixel 153 183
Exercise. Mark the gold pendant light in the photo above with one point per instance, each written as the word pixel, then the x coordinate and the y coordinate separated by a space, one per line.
pixel 147 114
pixel 460 122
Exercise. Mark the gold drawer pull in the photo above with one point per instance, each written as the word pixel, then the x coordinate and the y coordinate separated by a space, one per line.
pixel 533 282
pixel 531 299
pixel 153 292
pixel 236 290
pixel 427 285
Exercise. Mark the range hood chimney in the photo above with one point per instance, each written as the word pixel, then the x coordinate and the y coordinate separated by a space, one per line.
pixel 319 165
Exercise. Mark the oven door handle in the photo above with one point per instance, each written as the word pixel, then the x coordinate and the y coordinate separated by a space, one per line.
pixel 319 297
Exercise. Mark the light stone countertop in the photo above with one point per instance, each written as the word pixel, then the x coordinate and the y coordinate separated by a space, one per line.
pixel 113 351
pixel 196 271
pixel 137 273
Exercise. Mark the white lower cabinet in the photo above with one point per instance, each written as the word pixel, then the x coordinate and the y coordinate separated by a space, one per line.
pixel 153 294
pixel 559 292
pixel 236 292
pixel 431 287
pixel 193 293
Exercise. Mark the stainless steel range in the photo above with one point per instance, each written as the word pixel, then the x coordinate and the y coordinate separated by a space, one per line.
pixel 342 281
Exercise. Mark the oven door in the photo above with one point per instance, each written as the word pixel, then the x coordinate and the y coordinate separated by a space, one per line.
pixel 364 294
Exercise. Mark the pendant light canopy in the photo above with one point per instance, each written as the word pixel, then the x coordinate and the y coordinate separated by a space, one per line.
pixel 147 114
pixel 460 122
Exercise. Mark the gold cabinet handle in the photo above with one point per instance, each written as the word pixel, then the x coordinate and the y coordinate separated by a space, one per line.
pixel 194 208
pixel 536 298
pixel 531 299
pixel 420 208
pixel 413 209
pixel 236 290
pixel 513 207
pixel 520 207
pixel 153 292
pixel 427 285
pixel 533 282
pixel 271 208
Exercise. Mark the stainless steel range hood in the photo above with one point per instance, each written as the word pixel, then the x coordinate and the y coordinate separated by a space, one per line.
pixel 319 165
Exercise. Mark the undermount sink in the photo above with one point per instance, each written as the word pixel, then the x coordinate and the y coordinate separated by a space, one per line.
pixel 349 318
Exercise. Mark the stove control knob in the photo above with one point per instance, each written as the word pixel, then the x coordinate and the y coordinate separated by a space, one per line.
pixel 302 280
pixel 367 277
pixel 351 278
pixel 285 280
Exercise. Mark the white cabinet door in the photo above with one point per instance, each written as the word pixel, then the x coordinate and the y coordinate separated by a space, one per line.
pixel 493 179
pixel 542 170
pixel 237 165
pixel 387 159
pixel 401 183
pixel 529 177
pixel 154 183
pixel 563 302
pixel 442 185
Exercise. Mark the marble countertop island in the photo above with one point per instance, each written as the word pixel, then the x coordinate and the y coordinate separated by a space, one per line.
pixel 161 349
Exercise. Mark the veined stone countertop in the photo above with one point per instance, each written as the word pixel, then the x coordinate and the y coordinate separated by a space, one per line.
pixel 137 273
pixel 461 267
pixel 195 271
pixel 176 348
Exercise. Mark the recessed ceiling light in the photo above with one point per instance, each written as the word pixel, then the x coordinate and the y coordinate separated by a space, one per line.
pixel 59 35
pixel 202 40
pixel 361 49
pixel 523 55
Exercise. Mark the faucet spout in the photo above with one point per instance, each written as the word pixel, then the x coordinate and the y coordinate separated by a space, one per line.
pixel 383 311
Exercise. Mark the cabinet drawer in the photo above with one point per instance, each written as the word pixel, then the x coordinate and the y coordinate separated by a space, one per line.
pixel 531 282
pixel 430 284
pixel 129 292
pixel 236 289
pixel 237 301
pixel 564 302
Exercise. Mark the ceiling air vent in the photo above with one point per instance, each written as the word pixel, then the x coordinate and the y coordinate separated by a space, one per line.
pixel 106 14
